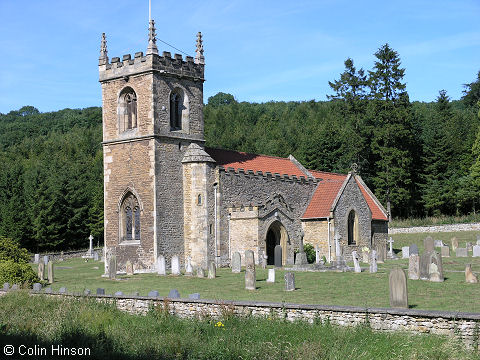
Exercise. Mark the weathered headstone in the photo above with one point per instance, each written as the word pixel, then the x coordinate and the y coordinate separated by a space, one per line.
pixel 37 287
pixel 250 279
pixel 431 266
pixel 461 252
pixel 405 252
pixel 175 265
pixel 435 273
pixel 62 290
pixel 262 258
pixel 188 266
pixel 15 287
pixel 414 267
pixel 278 256
pixel 413 249
pixel 112 267
pixel 153 293
pixel 317 254
pixel 271 276
pixel 289 281
pixel 356 263
pixel 338 248
pixel 200 272
pixel 398 288
pixel 50 272
pixel 381 250
pixel 161 268
pixel 366 256
pixel 41 270
pixel 48 290
pixel 118 293
pixel 445 251
pixel 174 294
pixel 301 258
pixel 373 261
pixel 454 244
pixel 212 270
pixel 428 244
pixel 129 268
pixel 36 259
pixel 425 265
pixel 86 292
pixel 236 262
pixel 95 256
pixel 45 260
pixel 6 286
pixel 100 291
pixel 476 251
pixel 469 246
pixel 194 296
pixel 470 277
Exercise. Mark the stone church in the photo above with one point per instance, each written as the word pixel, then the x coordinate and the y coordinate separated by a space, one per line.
pixel 165 193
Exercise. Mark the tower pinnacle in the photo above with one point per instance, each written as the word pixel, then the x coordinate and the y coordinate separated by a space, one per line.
pixel 199 58
pixel 152 40
pixel 103 59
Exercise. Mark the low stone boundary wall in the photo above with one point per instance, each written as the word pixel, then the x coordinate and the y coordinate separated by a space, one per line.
pixel 65 254
pixel 465 326
pixel 435 228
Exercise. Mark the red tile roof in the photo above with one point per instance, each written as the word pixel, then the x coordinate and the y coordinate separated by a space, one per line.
pixel 246 161
pixel 377 213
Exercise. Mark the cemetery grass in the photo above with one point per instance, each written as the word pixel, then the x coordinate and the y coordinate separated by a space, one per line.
pixel 111 334
pixel 326 288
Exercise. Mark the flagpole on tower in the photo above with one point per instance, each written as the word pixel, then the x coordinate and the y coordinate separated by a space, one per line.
pixel 149 10
pixel 152 46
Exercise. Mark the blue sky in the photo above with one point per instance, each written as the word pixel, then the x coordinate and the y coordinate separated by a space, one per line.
pixel 256 50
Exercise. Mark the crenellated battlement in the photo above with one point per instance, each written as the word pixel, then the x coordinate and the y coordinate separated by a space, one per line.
pixel 230 171
pixel 165 64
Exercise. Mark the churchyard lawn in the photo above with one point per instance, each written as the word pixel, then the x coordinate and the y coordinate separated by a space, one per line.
pixel 326 288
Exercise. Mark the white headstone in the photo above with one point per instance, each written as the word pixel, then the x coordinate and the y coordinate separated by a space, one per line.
pixel 90 249
pixel 161 269
pixel 338 250
pixel 45 260
pixel 37 259
pixel 271 276
pixel 175 265
pixel 373 261
pixel 356 263
pixel 405 252
pixel 476 250
pixel 188 266
pixel 317 255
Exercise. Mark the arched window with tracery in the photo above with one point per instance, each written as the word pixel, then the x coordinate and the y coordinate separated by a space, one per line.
pixel 127 109
pixel 130 218
pixel 177 108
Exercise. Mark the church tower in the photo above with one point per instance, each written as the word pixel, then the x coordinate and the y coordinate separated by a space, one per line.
pixel 152 111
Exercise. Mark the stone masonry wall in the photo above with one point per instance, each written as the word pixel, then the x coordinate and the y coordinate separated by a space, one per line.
pixel 244 231
pixel 452 324
pixel 316 234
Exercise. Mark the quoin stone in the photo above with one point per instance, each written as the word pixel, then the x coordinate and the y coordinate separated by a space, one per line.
pixel 161 268
pixel 236 262
pixel 250 279
pixel 175 265
pixel 398 288
pixel 405 252
pixel 476 251
pixel 278 256
pixel 50 272
pixel 112 267
pixel 470 277
pixel 414 267
pixel 461 252
pixel 129 268
pixel 212 270
pixel 271 276
pixel 356 263
pixel 373 261
pixel 428 244
pixel 289 281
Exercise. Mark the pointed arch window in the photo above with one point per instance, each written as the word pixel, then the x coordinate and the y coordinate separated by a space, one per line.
pixel 177 109
pixel 130 218
pixel 127 109
pixel 353 233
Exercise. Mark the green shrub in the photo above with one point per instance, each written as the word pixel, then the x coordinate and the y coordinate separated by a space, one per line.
pixel 310 251
pixel 17 273
pixel 10 250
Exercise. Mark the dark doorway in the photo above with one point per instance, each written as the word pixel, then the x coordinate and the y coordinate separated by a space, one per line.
pixel 272 240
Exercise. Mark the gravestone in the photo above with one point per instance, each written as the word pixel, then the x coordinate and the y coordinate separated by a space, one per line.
pixel 62 290
pixel 301 258
pixel 414 267
pixel 50 272
pixel 200 272
pixel 434 273
pixel 48 290
pixel 476 251
pixel 161 268
pixel 174 294
pixel 37 287
pixel 431 266
pixel 112 267
pixel 413 250
pixel 278 256
pixel 41 270
pixel 250 280
pixel 153 293
pixel 129 268
pixel 289 281
pixel 373 261
pixel 188 267
pixel 356 263
pixel 212 270
pixel 118 293
pixel 317 255
pixel 405 252
pixel 90 248
pixel 398 288
pixel 194 296
pixel 15 287
pixel 100 291
pixel 338 248
pixel 428 244
pixel 6 286
pixel 461 252
pixel 175 265
pixel 381 250
pixel 86 292
pixel 391 254
pixel 438 243
pixel 469 246
pixel 95 256
pixel 445 251
pixel 425 265
pixel 365 256
pixel 271 276
pixel 236 262
pixel 470 277
pixel 262 258
pixel 454 244
pixel 45 260
pixel 36 259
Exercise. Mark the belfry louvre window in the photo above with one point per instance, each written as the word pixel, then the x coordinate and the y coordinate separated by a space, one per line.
pixel 176 109
pixel 127 109
pixel 130 218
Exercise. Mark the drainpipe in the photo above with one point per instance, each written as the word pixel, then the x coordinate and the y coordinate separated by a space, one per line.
pixel 329 246
pixel 229 247
pixel 215 224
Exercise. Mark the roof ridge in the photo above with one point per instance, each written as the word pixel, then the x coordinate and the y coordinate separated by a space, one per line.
pixel 328 172
pixel 248 153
